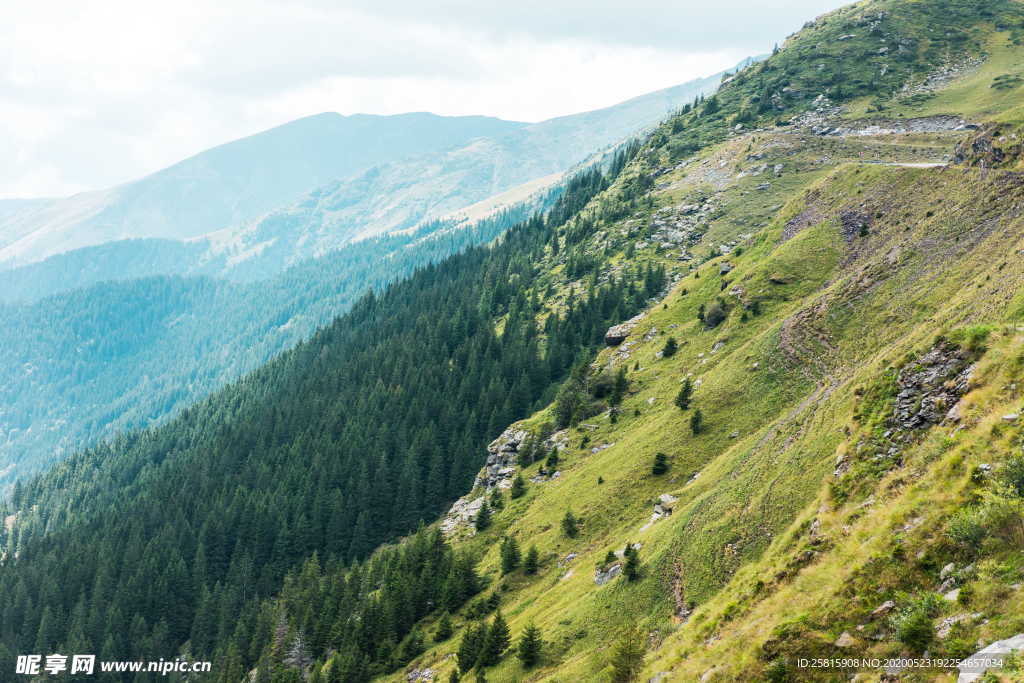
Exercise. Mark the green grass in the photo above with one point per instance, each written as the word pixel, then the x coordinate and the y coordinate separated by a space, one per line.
pixel 784 393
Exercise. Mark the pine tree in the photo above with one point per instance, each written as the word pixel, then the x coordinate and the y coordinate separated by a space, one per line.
pixel 518 487
pixel 495 642
pixel 444 629
pixel 684 395
pixel 660 465
pixel 497 501
pixel 628 658
pixel 632 568
pixel 619 388
pixel 530 646
pixel 569 525
pixel 697 422
pixel 552 462
pixel 470 646
pixel 483 517
pixel 532 562
pixel 670 348
pixel 509 555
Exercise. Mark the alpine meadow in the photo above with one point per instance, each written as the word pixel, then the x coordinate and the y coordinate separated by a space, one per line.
pixel 721 383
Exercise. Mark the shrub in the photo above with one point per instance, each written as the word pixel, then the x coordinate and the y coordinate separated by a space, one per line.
pixel 670 348
pixel 966 530
pixel 913 623
pixel 714 315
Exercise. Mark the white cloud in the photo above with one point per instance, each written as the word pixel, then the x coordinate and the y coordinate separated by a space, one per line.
pixel 93 94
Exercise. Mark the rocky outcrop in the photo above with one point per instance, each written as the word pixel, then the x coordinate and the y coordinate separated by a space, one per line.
pixel 618 333
pixel 424 675
pixel 662 509
pixel 974 666
pixel 461 515
pixel 989 148
pixel 603 576
pixel 930 386
pixel 500 468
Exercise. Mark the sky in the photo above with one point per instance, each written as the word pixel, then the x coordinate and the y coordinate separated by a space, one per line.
pixel 96 94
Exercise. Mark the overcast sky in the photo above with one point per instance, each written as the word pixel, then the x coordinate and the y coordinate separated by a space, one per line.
pixel 97 93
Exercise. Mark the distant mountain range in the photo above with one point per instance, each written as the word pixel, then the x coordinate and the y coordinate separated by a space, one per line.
pixel 250 208
pixel 105 335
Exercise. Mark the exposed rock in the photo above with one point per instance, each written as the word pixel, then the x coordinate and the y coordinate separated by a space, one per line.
pixel 947 624
pixel 499 470
pixel 567 559
pixel 617 334
pixel 461 514
pixel 952 595
pixel 884 608
pixel 724 268
pixel 854 223
pixel 601 577
pixel 929 386
pixel 973 667
pixel 1012 417
pixel 659 677
pixel 947 571
pixel 420 675
pixel 662 509
pixel 845 640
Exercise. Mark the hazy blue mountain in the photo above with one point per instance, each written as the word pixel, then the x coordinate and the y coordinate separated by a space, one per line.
pixel 231 183
pixel 404 193
pixel 125 333
pixel 241 206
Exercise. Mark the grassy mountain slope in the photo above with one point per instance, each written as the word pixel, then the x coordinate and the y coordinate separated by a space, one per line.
pixel 794 519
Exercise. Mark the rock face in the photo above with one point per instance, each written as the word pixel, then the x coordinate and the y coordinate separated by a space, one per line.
pixel 601 577
pixel 461 514
pixel 662 509
pixel 499 470
pixel 930 386
pixel 424 675
pixel 618 333
pixel 974 667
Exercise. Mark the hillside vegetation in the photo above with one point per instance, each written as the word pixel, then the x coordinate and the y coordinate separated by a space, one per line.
pixel 808 444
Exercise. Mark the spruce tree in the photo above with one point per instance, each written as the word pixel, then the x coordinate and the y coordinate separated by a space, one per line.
pixel 619 388
pixel 444 629
pixel 532 562
pixel 569 525
pixel 670 348
pixel 470 646
pixel 497 501
pixel 509 555
pixel 518 487
pixel 496 642
pixel 632 568
pixel 660 465
pixel 697 422
pixel 628 657
pixel 530 646
pixel 684 395
pixel 552 462
pixel 483 517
